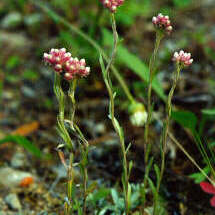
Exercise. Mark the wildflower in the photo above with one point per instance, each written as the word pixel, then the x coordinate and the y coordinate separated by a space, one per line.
pixel 209 188
pixel 112 4
pixel 162 22
pixel 138 113
pixel 183 58
pixel 65 64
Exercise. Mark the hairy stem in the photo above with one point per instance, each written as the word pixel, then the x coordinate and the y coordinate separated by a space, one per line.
pixel 159 36
pixel 112 115
pixel 84 148
pixel 61 116
pixel 166 127
pixel 147 144
pixel 71 94
pixel 66 137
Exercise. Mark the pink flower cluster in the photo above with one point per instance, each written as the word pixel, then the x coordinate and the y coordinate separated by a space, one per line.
pixel 112 4
pixel 64 63
pixel 183 58
pixel 162 22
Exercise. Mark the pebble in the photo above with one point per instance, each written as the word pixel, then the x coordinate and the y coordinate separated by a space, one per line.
pixel 18 160
pixel 13 178
pixel 13 201
pixel 12 20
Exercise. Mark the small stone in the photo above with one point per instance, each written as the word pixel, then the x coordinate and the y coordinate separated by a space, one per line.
pixel 18 160
pixel 14 178
pixel 100 128
pixel 12 20
pixel 13 201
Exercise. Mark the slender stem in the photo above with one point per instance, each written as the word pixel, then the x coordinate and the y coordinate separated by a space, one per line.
pixel 71 176
pixel 60 118
pixel 159 36
pixel 66 137
pixel 112 111
pixel 85 178
pixel 84 150
pixel 74 29
pixel 147 144
pixel 166 128
pixel 71 94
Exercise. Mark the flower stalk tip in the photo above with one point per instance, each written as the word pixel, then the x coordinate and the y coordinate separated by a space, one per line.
pixel 183 58
pixel 112 5
pixel 64 64
pixel 163 23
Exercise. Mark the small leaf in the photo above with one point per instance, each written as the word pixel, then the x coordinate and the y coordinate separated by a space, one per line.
pixel 130 168
pixel 119 129
pixel 115 196
pixel 199 177
pixel 127 150
pixel 157 171
pixel 102 67
pixel 153 188
pixel 129 196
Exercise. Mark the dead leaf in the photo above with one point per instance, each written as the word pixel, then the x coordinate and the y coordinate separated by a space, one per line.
pixel 26 129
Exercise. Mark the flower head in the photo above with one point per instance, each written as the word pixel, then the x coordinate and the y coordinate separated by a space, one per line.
pixel 65 64
pixel 162 23
pixel 112 4
pixel 183 58
pixel 138 114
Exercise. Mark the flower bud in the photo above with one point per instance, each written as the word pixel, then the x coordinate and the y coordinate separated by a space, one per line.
pixel 163 23
pixel 138 114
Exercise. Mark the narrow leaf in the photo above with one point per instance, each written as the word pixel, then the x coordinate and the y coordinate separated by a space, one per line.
pixel 23 142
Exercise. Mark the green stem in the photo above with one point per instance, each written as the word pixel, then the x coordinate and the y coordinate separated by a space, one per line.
pixel 147 144
pixel 70 173
pixel 65 135
pixel 60 118
pixel 71 94
pixel 166 127
pixel 112 111
pixel 84 150
pixel 159 36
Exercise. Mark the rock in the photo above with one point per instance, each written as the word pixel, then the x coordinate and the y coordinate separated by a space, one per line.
pixel 18 160
pixel 28 92
pixel 12 20
pixel 13 178
pixel 100 128
pixel 13 201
